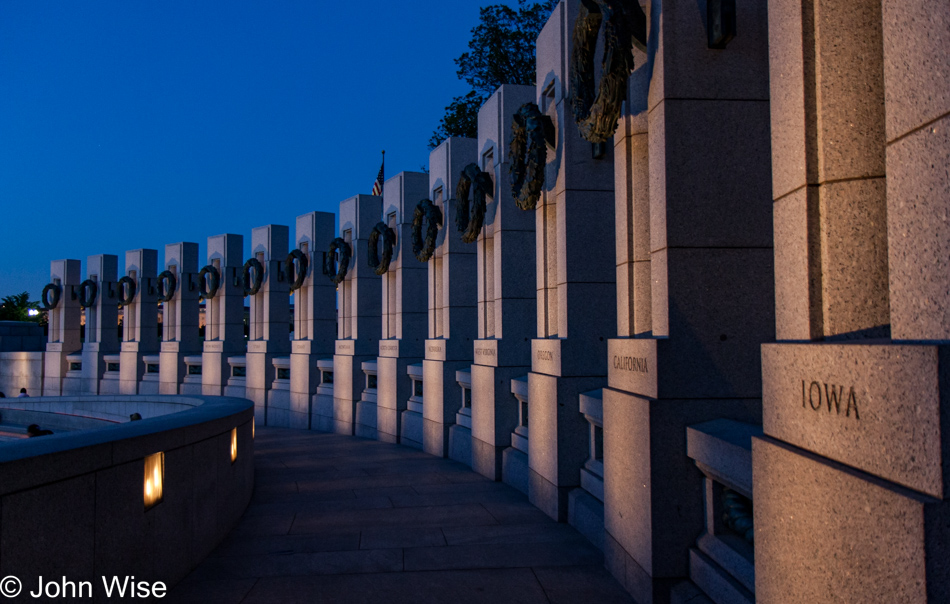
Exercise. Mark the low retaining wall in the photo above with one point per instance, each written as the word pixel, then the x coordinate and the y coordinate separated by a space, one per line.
pixel 72 504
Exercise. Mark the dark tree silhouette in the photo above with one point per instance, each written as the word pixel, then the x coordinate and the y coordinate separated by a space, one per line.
pixel 501 51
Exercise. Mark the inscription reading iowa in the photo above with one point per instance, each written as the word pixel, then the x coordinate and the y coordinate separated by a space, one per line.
pixel 832 397
pixel 637 364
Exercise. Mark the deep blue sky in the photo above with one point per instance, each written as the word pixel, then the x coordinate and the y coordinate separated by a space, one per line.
pixel 132 124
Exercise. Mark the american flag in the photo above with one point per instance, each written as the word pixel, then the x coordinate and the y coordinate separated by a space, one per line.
pixel 378 185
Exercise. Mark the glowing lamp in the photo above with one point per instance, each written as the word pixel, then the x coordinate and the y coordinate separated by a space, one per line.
pixel 233 445
pixel 154 479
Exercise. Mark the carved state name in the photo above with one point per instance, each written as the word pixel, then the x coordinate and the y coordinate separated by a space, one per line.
pixel 389 348
pixel 830 396
pixel 637 364
pixel 545 355
pixel 485 351
pixel 435 349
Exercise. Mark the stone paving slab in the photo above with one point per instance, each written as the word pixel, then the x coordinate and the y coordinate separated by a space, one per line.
pixel 342 519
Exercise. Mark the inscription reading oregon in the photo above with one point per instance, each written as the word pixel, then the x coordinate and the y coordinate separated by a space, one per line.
pixel 637 364
pixel 488 352
pixel 830 396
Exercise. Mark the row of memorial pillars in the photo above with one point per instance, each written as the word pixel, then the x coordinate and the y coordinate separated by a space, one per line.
pixel 860 148
pixel 179 364
pixel 451 312
pixel 694 279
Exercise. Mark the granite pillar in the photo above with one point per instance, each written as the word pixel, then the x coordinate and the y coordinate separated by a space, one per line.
pixel 505 260
pixel 64 325
pixel 358 324
pixel 102 319
pixel 854 393
pixel 576 283
pixel 314 319
pixel 140 319
pixel 453 320
pixel 269 329
pixel 694 284
pixel 403 313
pixel 224 315
pixel 180 337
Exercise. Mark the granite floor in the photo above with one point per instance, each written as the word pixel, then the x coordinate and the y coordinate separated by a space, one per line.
pixel 342 519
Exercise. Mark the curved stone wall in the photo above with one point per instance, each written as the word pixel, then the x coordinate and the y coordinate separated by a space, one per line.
pixel 72 504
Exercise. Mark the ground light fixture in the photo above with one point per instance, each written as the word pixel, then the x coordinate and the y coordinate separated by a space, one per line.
pixel 233 445
pixel 154 479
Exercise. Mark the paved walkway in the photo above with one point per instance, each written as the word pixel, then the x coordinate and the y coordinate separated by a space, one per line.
pixel 341 519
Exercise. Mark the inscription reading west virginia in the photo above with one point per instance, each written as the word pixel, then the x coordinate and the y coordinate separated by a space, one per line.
pixel 638 364
pixel 821 395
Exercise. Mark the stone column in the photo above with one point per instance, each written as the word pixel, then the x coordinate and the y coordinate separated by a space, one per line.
pixel 140 318
pixel 358 324
pixel 576 296
pixel 314 318
pixel 505 258
pixel 453 321
pixel 269 327
pixel 224 313
pixel 404 314
pixel 180 337
pixel 102 321
pixel 693 175
pixel 64 325
pixel 853 394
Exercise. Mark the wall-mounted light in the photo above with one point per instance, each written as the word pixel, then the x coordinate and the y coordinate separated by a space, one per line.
pixel 253 425
pixel 233 445
pixel 154 479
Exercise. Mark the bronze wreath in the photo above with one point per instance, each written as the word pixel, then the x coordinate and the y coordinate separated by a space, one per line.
pixel 380 264
pixel 45 301
pixel 472 174
pixel 252 285
pixel 208 288
pixel 527 173
pixel 339 274
pixel 166 286
pixel 597 118
pixel 126 284
pixel 301 273
pixel 88 291
pixel 433 217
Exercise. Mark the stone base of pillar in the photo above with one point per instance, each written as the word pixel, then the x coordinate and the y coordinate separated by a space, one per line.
pixel 412 429
pixel 559 439
pixel 586 513
pixel 365 424
pixel 55 367
pixel 514 469
pixel 460 444
pixel 494 416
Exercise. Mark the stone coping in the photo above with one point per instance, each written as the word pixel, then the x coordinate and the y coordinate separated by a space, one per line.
pixel 47 459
